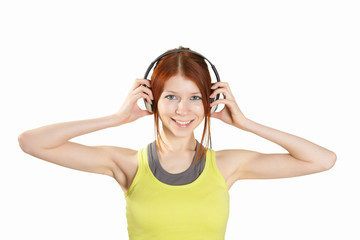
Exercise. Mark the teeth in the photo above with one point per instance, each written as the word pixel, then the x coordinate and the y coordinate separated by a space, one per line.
pixel 183 123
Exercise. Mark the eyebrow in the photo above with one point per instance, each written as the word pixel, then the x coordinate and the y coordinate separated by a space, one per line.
pixel 177 92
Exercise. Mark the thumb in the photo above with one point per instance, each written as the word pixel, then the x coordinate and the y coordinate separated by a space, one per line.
pixel 215 115
pixel 144 113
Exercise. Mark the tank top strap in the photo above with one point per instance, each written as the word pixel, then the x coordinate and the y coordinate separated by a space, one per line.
pixel 142 159
pixel 211 160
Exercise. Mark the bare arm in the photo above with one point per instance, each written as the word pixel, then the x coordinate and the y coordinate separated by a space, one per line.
pixel 304 157
pixel 51 142
pixel 297 147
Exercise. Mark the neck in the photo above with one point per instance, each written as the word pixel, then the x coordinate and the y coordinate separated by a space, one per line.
pixel 177 144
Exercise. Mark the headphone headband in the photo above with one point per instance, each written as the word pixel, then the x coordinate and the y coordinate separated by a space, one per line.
pixel 178 51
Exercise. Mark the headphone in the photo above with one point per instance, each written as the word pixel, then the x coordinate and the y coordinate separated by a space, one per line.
pixel 149 106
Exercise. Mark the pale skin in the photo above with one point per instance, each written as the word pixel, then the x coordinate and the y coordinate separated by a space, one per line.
pixel 180 101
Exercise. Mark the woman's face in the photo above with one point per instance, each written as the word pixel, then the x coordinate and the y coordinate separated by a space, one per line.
pixel 180 106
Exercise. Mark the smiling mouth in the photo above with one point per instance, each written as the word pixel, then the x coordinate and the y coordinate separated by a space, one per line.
pixel 182 124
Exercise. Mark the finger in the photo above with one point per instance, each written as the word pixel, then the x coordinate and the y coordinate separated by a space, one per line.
pixel 148 91
pixel 144 89
pixel 139 93
pixel 141 81
pixel 220 85
pixel 224 91
pixel 221 101
pixel 143 95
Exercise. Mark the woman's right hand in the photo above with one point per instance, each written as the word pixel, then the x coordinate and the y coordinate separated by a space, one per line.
pixel 130 111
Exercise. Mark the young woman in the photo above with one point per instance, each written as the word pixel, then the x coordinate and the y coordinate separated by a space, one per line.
pixel 177 187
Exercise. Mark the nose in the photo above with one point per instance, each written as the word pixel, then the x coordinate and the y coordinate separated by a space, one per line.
pixel 182 108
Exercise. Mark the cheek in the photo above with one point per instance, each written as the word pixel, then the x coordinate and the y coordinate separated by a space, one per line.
pixel 199 109
pixel 166 107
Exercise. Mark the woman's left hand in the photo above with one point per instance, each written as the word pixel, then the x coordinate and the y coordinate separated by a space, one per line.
pixel 231 113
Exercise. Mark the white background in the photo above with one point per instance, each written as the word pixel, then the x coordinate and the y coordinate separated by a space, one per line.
pixel 292 65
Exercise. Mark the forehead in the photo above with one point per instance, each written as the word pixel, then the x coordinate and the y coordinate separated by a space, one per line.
pixel 179 83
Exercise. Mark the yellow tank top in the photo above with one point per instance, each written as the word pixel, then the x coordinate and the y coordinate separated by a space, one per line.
pixel 158 211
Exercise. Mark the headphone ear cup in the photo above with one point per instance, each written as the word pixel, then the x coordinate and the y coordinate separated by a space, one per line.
pixel 148 106
pixel 213 108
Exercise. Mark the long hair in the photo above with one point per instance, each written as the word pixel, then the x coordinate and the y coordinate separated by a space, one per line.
pixel 193 67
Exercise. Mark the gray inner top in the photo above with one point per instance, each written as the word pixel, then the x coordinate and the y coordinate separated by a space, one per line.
pixel 186 177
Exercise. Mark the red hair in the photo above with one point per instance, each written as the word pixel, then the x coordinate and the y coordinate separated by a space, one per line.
pixel 193 67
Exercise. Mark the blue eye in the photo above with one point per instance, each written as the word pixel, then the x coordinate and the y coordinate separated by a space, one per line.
pixel 196 98
pixel 170 97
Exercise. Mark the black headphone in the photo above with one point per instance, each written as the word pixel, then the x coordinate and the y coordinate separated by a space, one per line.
pixel 149 106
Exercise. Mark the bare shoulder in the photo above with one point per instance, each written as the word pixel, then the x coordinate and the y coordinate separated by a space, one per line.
pixel 230 162
pixel 125 165
pixel 231 159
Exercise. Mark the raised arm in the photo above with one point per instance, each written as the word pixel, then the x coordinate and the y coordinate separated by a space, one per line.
pixel 304 157
pixel 52 142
